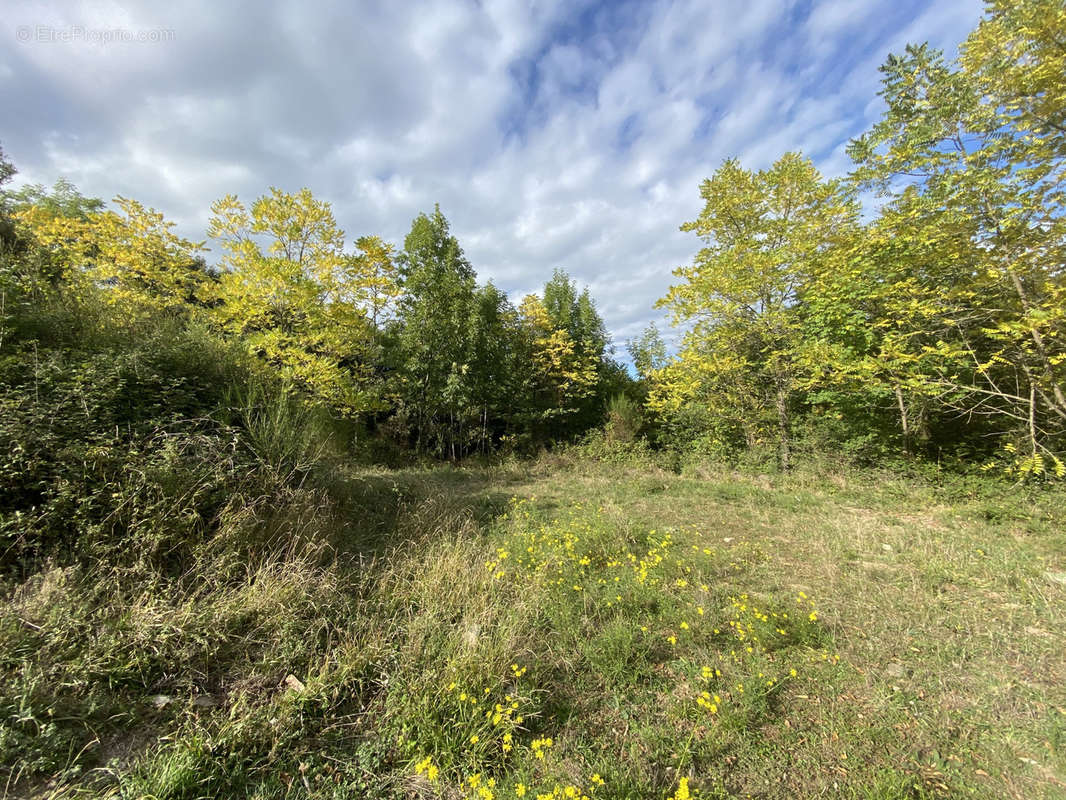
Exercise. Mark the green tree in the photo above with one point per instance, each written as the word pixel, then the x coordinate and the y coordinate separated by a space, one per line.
pixel 972 159
pixel 868 341
pixel 766 234
pixel 39 230
pixel 8 241
pixel 433 343
pixel 559 378
pixel 7 169
pixel 7 229
pixel 63 199
pixel 493 364
pixel 575 313
pixel 648 352
pixel 373 277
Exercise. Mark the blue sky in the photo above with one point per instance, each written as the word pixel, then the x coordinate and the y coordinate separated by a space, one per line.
pixel 553 134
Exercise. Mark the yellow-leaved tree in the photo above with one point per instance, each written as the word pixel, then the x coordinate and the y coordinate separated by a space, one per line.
pixel 132 259
pixel 766 234
pixel 373 278
pixel 972 155
pixel 292 295
pixel 560 376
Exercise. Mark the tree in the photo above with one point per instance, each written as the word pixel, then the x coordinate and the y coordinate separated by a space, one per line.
pixel 36 247
pixel 7 169
pixel 288 292
pixel 493 364
pixel 766 234
pixel 134 260
pixel 1017 56
pixel 8 241
pixel 374 277
pixel 869 338
pixel 710 398
pixel 648 352
pixel 560 378
pixel 63 199
pixel 575 313
pixel 7 227
pixel 433 343
pixel 971 156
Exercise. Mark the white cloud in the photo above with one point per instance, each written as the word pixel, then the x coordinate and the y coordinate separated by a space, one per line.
pixel 551 133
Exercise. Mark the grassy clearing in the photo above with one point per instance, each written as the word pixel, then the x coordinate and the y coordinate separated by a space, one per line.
pixel 562 628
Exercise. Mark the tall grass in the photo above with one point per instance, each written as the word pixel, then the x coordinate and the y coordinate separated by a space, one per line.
pixel 289 435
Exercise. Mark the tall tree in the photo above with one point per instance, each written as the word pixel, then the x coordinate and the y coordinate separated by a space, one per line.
pixel 576 314
pixel 972 158
pixel 373 276
pixel 133 259
pixel 494 368
pixel 63 199
pixel 434 315
pixel 7 169
pixel 286 292
pixel 766 234
pixel 559 378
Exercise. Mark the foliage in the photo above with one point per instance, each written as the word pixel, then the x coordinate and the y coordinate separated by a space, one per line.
pixel 204 593
pixel 767 235
pixel 648 352
pixel 974 166
pixel 624 419
pixel 289 292
pixel 433 344
pixel 562 375
pixel 135 258
pixel 372 279
pixel 937 326
pixel 63 200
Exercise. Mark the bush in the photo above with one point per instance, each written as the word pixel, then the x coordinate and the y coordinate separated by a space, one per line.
pixel 625 419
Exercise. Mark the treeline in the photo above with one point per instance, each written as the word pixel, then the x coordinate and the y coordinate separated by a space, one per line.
pixel 914 309
pixel 936 328
pixel 401 343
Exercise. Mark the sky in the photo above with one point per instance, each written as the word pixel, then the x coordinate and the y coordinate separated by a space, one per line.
pixel 552 133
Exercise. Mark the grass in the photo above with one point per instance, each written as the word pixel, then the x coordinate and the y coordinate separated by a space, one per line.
pixel 564 627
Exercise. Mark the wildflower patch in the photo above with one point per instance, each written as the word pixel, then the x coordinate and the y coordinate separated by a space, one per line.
pixel 651 618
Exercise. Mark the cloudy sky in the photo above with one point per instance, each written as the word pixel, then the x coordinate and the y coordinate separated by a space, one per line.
pixel 552 133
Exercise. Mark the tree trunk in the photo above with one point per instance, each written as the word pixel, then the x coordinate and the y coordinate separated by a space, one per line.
pixel 1032 418
pixel 904 422
pixel 784 447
